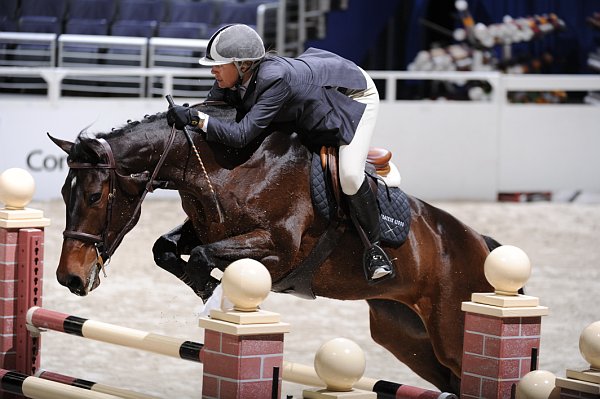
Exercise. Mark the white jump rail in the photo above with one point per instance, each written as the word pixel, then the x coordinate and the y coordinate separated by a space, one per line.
pixel 39 319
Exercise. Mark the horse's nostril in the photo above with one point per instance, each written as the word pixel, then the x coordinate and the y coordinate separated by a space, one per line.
pixel 75 285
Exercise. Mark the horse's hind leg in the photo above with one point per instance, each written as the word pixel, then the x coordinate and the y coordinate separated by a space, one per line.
pixel 400 330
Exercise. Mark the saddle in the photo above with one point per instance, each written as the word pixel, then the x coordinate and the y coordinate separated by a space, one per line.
pixel 394 214
pixel 394 209
pixel 380 159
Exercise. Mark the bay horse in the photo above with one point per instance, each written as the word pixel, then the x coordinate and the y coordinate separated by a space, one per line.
pixel 256 203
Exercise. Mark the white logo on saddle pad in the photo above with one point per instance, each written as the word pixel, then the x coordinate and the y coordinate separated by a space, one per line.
pixel 392 220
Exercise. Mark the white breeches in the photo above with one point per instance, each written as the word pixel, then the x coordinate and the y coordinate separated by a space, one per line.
pixel 354 155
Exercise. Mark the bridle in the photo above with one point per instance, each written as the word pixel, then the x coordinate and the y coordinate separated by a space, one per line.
pixel 104 251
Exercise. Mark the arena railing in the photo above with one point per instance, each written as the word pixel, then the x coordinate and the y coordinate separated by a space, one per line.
pixel 27 50
pixel 498 86
pixel 168 77
pixel 89 51
pixel 96 53
pixel 175 53
pixel 493 87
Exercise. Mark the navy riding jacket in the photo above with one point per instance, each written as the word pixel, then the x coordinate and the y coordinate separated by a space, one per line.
pixel 303 94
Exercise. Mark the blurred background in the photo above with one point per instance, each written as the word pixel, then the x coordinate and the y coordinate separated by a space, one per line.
pixel 490 108
pixel 481 99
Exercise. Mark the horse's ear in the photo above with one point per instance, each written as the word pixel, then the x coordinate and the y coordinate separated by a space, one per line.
pixel 65 145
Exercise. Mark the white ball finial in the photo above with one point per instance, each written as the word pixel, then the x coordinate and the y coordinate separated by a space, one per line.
pixel 246 283
pixel 340 362
pixel 589 345
pixel 507 268
pixel 538 384
pixel 16 188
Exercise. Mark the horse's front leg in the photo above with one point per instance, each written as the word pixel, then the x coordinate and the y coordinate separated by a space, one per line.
pixel 169 247
pixel 256 244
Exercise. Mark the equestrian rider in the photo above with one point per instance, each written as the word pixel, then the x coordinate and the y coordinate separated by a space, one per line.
pixel 326 99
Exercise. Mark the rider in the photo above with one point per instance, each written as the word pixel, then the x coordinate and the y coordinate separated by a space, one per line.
pixel 327 99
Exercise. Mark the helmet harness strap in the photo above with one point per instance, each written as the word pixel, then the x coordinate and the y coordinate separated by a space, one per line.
pixel 238 66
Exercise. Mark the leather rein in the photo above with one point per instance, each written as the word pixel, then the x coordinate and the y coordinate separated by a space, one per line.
pixel 104 251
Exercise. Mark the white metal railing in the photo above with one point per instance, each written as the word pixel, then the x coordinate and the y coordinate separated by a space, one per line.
pixel 266 22
pixel 55 76
pixel 444 149
pixel 501 84
pixel 175 53
pixel 89 51
pixel 27 49
pixel 294 19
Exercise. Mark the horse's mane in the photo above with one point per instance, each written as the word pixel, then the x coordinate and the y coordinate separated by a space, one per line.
pixel 221 112
pixel 84 150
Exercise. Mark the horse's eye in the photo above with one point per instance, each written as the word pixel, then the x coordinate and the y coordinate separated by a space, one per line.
pixel 94 198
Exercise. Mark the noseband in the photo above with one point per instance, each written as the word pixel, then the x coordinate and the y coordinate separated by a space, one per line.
pixel 104 251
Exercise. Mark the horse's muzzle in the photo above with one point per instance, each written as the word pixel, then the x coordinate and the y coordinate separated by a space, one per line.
pixel 74 284
pixel 78 267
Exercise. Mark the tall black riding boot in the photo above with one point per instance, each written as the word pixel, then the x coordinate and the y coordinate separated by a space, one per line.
pixel 364 213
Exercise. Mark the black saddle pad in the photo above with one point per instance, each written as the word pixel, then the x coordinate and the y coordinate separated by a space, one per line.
pixel 394 208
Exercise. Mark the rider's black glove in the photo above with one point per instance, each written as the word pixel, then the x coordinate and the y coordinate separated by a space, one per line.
pixel 182 116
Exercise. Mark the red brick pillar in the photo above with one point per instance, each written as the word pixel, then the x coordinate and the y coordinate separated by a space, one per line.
pixel 21 274
pixel 242 343
pixel 8 297
pixel 584 383
pixel 239 359
pixel 501 329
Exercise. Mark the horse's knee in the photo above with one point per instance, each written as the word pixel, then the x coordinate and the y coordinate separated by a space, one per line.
pixel 199 256
pixel 161 250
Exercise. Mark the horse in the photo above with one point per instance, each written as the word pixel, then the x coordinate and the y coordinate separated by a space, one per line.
pixel 256 203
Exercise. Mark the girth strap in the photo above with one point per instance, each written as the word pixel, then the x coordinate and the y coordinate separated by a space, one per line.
pixel 299 281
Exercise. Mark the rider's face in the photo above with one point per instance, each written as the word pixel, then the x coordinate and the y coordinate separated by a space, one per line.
pixel 226 75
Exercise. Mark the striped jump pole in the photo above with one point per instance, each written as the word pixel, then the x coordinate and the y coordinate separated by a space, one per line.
pixel 175 347
pixel 306 375
pixel 45 319
pixel 92 386
pixel 37 388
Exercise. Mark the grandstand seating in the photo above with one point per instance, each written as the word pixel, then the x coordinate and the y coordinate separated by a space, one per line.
pixel 244 13
pixel 8 15
pixel 141 10
pixel 92 9
pixel 98 17
pixel 187 19
pixel 192 11
pixel 42 16
pixel 127 27
pixel 82 26
pixel 53 8
pixel 187 30
pixel 40 24
pixel 89 17
pixel 109 33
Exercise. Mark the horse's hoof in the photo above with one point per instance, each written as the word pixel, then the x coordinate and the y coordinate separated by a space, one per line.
pixel 208 290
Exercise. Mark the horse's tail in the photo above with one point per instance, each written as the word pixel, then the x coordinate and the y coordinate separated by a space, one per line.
pixel 491 243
